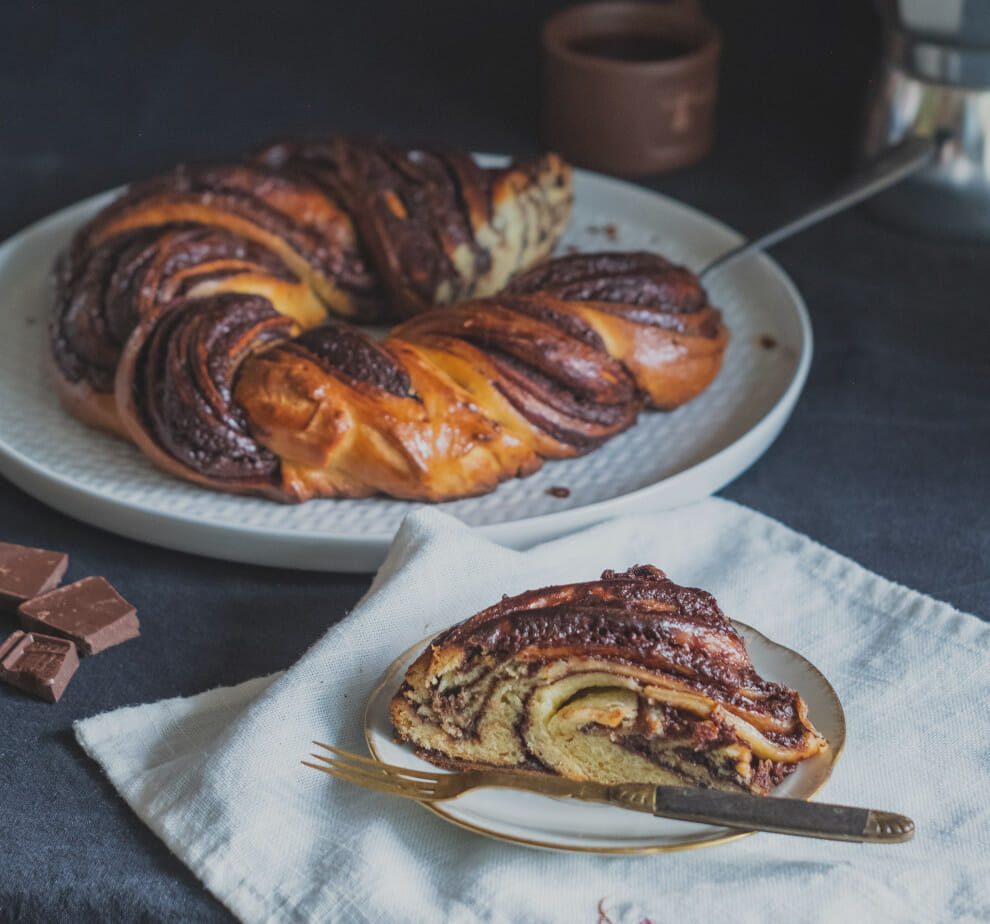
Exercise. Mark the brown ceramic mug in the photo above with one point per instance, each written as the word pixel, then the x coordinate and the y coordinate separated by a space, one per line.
pixel 629 87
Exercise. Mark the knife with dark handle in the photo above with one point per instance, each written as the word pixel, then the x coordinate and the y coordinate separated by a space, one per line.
pixel 761 813
pixel 707 806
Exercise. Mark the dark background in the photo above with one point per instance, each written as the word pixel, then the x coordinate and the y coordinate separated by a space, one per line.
pixel 885 458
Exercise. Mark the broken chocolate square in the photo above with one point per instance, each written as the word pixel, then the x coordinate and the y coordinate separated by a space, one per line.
pixel 27 572
pixel 89 612
pixel 41 665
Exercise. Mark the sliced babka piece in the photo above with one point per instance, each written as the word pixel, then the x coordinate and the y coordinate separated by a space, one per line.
pixel 630 678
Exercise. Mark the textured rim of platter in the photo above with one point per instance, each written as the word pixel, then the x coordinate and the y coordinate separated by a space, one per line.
pixel 754 394
pixel 547 819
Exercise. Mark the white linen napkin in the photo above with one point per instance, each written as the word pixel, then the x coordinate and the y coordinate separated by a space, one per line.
pixel 217 776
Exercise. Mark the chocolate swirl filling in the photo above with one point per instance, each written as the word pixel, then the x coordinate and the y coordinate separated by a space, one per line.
pixel 102 294
pixel 428 215
pixel 640 287
pixel 91 320
pixel 627 678
pixel 552 367
pixel 412 209
pixel 184 377
pixel 637 617
pixel 269 201
pixel 345 349
pixel 566 416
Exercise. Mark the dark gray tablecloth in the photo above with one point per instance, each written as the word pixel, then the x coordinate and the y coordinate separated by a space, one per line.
pixel 885 458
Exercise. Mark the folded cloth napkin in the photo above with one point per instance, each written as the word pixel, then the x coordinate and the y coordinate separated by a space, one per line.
pixel 217 776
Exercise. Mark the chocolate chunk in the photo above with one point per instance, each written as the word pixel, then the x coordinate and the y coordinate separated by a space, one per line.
pixel 558 491
pixel 89 612
pixel 41 665
pixel 27 572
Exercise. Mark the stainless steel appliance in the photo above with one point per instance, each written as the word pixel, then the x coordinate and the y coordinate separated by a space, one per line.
pixel 935 77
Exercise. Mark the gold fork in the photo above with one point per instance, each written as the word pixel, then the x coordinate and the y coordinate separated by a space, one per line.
pixel 707 806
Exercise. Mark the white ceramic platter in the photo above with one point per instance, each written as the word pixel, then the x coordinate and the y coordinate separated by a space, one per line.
pixel 540 821
pixel 664 461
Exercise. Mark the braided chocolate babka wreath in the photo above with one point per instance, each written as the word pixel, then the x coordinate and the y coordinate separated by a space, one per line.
pixel 191 317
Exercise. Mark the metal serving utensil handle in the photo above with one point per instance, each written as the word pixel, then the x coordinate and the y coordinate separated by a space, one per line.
pixel 897 164
pixel 782 816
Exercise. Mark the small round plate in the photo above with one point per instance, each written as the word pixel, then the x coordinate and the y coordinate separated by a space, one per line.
pixel 540 821
pixel 665 460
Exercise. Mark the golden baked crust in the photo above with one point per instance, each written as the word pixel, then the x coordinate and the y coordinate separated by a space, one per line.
pixel 191 317
pixel 631 678
pixel 453 402
pixel 305 225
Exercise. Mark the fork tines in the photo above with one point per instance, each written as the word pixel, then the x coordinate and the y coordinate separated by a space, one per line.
pixel 413 784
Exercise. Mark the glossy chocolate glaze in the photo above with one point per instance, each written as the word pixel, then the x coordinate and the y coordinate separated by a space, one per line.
pixel 417 209
pixel 570 324
pixel 413 206
pixel 199 245
pixel 493 326
pixel 341 348
pixel 412 212
pixel 639 617
pixel 552 367
pixel 561 413
pixel 641 287
pixel 184 379
pixel 256 193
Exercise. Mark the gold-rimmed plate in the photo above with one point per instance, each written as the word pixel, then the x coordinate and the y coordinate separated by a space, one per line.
pixel 539 821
